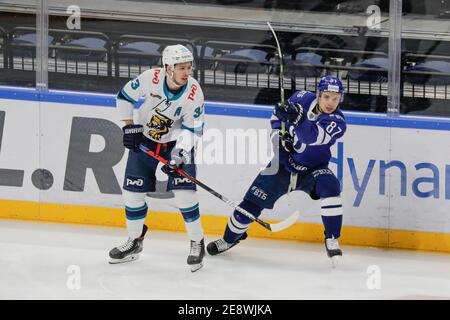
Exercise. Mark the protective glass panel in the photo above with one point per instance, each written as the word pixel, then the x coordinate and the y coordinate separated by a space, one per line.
pixel 420 143
pixel 93 49
pixel 426 58
pixel 18 43
pixel 19 110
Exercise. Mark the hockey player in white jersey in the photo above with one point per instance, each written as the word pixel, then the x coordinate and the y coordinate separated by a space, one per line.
pixel 168 122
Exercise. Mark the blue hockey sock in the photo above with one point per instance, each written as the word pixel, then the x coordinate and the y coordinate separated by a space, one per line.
pixel 238 223
pixel 333 225
pixel 191 216
pixel 135 220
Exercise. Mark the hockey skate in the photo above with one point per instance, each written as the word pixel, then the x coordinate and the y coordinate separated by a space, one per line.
pixel 195 258
pixel 220 245
pixel 334 252
pixel 128 251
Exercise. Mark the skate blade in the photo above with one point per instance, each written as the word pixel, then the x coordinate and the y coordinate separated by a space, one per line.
pixel 196 267
pixel 335 261
pixel 126 259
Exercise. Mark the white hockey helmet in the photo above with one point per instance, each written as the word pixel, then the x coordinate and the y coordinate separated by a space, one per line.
pixel 176 54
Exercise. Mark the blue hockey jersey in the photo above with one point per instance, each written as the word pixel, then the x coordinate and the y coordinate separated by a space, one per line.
pixel 313 136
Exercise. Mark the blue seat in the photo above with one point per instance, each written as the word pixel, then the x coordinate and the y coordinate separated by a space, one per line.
pixel 247 61
pixel 429 66
pixel 28 38
pixel 292 67
pixel 207 58
pixel 139 52
pixel 98 44
pixel 381 63
pixel 24 45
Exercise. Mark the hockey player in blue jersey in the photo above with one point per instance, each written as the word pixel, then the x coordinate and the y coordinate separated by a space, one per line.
pixel 313 123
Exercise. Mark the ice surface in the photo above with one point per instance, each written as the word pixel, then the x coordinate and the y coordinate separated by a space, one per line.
pixel 42 261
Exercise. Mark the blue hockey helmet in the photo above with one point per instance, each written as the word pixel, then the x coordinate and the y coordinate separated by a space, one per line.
pixel 331 84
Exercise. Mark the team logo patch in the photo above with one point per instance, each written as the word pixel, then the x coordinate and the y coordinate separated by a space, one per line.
pixel 159 125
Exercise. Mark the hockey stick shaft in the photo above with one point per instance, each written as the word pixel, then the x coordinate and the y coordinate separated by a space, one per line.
pixel 280 55
pixel 272 227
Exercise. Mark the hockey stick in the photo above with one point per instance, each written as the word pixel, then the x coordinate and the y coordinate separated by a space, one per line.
pixel 274 227
pixel 280 55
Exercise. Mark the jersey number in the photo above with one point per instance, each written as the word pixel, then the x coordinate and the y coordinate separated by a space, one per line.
pixel 135 84
pixel 330 128
pixel 198 112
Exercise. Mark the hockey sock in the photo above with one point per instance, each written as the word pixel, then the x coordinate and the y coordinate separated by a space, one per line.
pixel 193 223
pixel 238 223
pixel 135 220
pixel 331 211
pixel 332 226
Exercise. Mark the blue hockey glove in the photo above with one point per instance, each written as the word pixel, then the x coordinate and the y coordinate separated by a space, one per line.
pixel 178 158
pixel 133 136
pixel 292 112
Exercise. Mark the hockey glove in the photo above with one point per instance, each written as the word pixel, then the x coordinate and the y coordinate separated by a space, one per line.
pixel 133 136
pixel 281 142
pixel 292 112
pixel 286 142
pixel 178 158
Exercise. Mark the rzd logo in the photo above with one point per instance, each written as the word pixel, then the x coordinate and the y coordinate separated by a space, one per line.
pixel 181 180
pixel 135 182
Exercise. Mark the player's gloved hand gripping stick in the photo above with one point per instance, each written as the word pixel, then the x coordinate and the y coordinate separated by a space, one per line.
pixel 269 226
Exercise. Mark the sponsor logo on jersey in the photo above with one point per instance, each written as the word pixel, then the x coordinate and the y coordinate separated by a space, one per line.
pixel 157 96
pixel 193 91
pixel 296 166
pixel 321 172
pixel 178 181
pixel 259 193
pixel 159 125
pixel 136 182
pixel 155 79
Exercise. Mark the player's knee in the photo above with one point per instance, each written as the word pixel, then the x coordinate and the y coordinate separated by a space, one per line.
pixel 133 199
pixel 252 208
pixel 328 186
pixel 185 198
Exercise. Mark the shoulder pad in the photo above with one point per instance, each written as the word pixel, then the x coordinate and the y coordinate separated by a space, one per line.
pixel 303 97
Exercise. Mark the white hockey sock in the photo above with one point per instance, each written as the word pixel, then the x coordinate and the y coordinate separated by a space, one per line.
pixel 194 230
pixel 134 228
pixel 136 212
pixel 187 202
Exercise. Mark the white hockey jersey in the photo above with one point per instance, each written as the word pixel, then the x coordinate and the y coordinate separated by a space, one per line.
pixel 165 117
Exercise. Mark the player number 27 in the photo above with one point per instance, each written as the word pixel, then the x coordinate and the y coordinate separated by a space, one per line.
pixel 330 128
